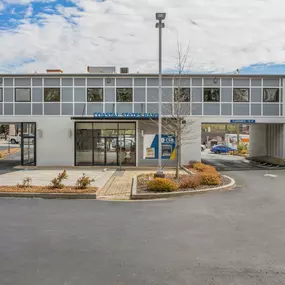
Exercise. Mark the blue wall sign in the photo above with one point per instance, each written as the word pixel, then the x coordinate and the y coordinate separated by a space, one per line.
pixel 242 121
pixel 126 115
pixel 168 145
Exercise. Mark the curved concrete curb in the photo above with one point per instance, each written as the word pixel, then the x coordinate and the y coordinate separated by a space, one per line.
pixel 47 195
pixel 145 196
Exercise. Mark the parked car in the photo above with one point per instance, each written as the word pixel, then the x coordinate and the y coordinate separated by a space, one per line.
pixel 17 139
pixel 127 143
pixel 203 147
pixel 221 149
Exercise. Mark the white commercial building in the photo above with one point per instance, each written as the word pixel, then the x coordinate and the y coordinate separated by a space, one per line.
pixel 110 118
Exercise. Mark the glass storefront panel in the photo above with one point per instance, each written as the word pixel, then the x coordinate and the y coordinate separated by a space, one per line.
pixel 84 144
pixel 105 126
pixel 99 151
pixel 111 153
pixel 106 143
pixel 28 143
pixel 127 145
pixel 127 126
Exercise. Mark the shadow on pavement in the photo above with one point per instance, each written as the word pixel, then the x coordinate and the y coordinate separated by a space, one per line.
pixel 8 163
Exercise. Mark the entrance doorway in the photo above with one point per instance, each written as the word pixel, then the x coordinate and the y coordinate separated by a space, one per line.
pixel 17 144
pixel 28 143
pixel 108 143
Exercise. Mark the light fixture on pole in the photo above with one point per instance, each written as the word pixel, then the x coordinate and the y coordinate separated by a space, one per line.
pixel 160 17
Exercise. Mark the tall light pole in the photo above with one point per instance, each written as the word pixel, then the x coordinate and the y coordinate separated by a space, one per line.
pixel 160 17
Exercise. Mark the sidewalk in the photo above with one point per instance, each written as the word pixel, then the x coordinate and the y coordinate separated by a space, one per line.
pixel 43 177
pixel 119 185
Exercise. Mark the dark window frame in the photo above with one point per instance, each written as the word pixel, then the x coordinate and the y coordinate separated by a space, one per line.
pixel 1 93
pixel 98 88
pixel 117 95
pixel 22 101
pixel 48 88
pixel 181 88
pixel 211 89
pixel 278 95
pixel 241 101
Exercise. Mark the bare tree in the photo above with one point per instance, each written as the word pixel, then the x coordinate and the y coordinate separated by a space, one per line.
pixel 175 122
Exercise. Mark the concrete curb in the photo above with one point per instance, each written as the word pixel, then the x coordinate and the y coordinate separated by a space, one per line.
pixel 145 196
pixel 113 198
pixel 47 195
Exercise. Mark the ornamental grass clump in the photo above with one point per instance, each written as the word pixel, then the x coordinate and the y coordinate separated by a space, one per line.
pixel 187 181
pixel 162 185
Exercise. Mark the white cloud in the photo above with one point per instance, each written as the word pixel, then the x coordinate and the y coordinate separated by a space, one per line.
pixel 223 35
pixel 29 11
pixel 1 6
pixel 26 2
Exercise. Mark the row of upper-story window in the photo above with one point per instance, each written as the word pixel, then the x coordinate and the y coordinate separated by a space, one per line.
pixel 126 95
pixel 140 82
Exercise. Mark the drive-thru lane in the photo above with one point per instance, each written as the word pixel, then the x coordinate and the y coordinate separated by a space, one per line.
pixel 225 162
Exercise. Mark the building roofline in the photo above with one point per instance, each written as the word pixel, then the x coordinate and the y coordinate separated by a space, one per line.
pixel 139 75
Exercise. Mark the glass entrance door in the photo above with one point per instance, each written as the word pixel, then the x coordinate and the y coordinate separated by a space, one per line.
pixel 111 151
pixel 105 151
pixel 99 151
pixel 28 143
pixel 105 143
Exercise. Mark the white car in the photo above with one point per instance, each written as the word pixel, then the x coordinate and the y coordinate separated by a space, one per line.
pixel 203 147
pixel 17 139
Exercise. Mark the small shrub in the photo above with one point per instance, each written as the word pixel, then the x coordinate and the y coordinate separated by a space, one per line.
pixel 56 183
pixel 242 147
pixel 188 181
pixel 161 185
pixel 1 155
pixel 244 151
pixel 84 181
pixel 210 178
pixel 26 183
pixel 191 163
pixel 209 169
pixel 199 166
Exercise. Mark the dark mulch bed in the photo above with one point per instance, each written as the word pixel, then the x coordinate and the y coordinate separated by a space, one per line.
pixel 45 189
pixel 142 187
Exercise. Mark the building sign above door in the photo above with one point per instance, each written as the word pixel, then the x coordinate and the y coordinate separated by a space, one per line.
pixel 126 115
pixel 242 121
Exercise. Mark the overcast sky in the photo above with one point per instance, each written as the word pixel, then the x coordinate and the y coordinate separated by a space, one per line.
pixel 223 35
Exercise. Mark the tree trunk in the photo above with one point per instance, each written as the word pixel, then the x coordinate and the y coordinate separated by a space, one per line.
pixel 177 161
pixel 178 145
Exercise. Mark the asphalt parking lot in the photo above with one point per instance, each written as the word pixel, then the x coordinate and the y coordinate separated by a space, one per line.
pixel 233 237
pixel 225 162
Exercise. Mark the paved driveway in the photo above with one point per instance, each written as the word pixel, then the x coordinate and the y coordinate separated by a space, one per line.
pixel 224 162
pixel 221 238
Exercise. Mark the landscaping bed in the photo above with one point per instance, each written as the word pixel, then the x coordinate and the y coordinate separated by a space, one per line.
pixel 46 189
pixel 202 177
pixel 56 186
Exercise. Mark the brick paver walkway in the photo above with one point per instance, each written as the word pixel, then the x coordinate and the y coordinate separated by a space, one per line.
pixel 119 185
